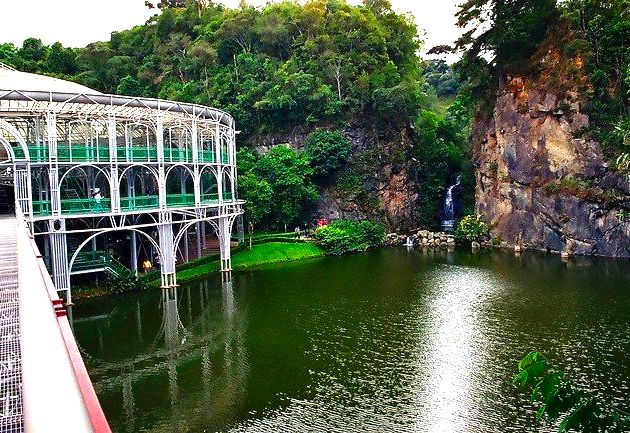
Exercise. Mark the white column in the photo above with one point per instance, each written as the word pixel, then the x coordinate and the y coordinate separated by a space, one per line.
pixel 53 169
pixel 160 155
pixel 198 236
pixel 224 232
pixel 167 258
pixel 113 166
pixel 59 250
pixel 134 253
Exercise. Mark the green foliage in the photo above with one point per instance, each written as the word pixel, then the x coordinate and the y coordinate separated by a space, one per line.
pixel 278 186
pixel 289 175
pixel 440 78
pixel 256 192
pixel 495 241
pixel 560 401
pixel 327 152
pixel 442 154
pixel 342 237
pixel 512 31
pixel 123 284
pixel 472 228
pixel 598 29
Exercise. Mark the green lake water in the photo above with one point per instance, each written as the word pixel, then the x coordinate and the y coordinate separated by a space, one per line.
pixel 387 341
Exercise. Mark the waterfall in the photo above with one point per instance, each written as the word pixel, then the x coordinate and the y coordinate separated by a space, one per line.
pixel 449 207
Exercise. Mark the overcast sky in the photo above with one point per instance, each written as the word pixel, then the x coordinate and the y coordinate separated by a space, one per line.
pixel 76 23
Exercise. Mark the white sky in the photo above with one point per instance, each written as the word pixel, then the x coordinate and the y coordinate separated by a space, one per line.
pixel 76 23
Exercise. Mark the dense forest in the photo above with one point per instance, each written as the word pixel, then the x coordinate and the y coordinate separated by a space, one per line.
pixel 322 68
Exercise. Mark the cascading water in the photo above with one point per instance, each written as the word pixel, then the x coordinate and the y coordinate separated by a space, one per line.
pixel 448 223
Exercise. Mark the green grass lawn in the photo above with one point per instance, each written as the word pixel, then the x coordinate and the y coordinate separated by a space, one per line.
pixel 272 252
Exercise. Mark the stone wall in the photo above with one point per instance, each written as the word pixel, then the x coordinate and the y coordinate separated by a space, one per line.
pixel 422 238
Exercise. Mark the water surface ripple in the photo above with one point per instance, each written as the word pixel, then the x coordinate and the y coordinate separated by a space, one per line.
pixel 388 341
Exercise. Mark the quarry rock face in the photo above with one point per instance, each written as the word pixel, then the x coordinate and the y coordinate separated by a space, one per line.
pixel 544 184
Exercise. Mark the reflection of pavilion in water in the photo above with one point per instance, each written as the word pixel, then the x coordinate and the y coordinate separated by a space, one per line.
pixel 192 348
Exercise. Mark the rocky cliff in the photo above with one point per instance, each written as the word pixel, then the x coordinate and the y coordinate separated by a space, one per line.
pixel 542 182
pixel 380 189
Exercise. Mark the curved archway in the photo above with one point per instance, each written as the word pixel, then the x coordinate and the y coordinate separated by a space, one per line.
pixel 89 193
pixel 228 183
pixel 89 238
pixel 225 148
pixel 140 142
pixel 138 188
pixel 87 141
pixel 208 185
pixel 147 167
pixel 177 143
pixel 12 130
pixel 180 186
pixel 207 144
pixel 81 167
pixel 10 154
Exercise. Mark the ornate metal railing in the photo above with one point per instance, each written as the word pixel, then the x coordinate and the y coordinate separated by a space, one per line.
pixel 100 153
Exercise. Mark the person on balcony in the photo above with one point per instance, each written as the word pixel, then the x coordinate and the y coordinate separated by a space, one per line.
pixel 98 197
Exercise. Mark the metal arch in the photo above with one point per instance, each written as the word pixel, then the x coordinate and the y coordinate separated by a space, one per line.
pixel 168 171
pixel 180 235
pixel 226 170
pixel 212 168
pixel 146 122
pixel 107 230
pixel 179 125
pixel 214 225
pixel 7 146
pixel 16 134
pixel 150 169
pixel 81 167
pixel 83 221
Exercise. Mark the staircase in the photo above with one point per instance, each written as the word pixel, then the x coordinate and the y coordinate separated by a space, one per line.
pixel 98 261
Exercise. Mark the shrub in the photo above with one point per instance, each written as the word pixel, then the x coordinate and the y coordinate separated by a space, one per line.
pixel 327 152
pixel 472 228
pixel 343 236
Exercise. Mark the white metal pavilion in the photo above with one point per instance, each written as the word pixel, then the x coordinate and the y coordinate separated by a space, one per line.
pixel 83 164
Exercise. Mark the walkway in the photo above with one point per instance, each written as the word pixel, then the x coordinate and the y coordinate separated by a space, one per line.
pixel 44 386
pixel 10 360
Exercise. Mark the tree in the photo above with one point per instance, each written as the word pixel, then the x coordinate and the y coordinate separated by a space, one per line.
pixel 560 400
pixel 8 54
pixel 256 191
pixel 61 60
pixel 512 32
pixel 31 55
pixel 513 29
pixel 288 173
pixel 327 152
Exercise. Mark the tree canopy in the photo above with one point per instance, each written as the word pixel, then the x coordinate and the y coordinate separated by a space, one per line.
pixel 285 63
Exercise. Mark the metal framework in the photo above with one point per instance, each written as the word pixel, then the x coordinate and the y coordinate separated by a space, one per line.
pixel 11 414
pixel 88 164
